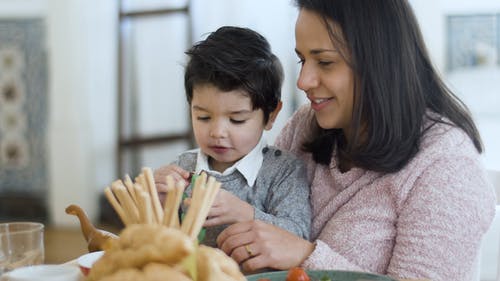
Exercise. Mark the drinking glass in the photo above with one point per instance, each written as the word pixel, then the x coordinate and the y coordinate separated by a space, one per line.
pixel 21 244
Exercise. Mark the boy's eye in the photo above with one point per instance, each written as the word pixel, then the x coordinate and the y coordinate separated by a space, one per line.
pixel 234 121
pixel 301 61
pixel 324 63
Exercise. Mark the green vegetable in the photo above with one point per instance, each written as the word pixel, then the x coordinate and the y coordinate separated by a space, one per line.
pixel 203 231
pixel 325 278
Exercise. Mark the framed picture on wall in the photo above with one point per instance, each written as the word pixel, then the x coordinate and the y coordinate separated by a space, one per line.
pixel 473 41
pixel 23 118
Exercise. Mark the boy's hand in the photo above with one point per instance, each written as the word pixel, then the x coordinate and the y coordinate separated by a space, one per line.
pixel 176 172
pixel 227 209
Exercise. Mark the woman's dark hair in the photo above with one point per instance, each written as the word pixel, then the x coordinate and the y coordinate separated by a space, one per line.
pixel 396 85
pixel 235 58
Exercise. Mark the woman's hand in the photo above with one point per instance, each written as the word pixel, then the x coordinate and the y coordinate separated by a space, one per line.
pixel 257 245
pixel 177 173
pixel 227 209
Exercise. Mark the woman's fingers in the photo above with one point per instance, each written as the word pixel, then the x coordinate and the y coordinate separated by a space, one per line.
pixel 234 236
pixel 269 246
pixel 254 264
pixel 245 253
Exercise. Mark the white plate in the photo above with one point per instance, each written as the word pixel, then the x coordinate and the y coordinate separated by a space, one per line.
pixel 44 272
pixel 86 261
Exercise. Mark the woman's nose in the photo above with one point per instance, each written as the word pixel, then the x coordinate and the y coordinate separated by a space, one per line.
pixel 308 78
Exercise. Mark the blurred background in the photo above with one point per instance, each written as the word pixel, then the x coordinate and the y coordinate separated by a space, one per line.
pixel 91 90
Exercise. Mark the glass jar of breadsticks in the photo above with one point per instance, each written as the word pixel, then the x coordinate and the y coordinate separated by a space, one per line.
pixel 155 244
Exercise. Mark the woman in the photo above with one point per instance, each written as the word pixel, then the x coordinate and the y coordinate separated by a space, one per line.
pixel 393 157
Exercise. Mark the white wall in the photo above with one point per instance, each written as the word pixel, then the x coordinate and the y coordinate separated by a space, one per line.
pixel 276 22
pixel 82 103
pixel 479 88
pixel 82 49
pixel 81 98
pixel 23 8
pixel 432 19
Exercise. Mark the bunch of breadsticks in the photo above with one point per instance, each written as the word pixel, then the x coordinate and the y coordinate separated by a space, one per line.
pixel 155 245
pixel 138 202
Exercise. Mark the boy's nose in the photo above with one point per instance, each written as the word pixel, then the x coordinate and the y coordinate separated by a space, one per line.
pixel 218 131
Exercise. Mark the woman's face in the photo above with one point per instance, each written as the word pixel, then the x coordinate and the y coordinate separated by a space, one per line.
pixel 325 76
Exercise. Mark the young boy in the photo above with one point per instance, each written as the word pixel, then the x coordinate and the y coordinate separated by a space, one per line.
pixel 233 86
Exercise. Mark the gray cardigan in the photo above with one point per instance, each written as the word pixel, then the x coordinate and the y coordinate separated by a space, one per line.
pixel 280 194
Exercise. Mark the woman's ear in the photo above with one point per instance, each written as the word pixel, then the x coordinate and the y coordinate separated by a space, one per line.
pixel 272 116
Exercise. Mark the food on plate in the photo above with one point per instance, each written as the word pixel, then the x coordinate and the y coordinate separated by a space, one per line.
pixel 138 203
pixel 145 252
pixel 151 272
pixel 86 261
pixel 139 245
pixel 155 245
pixel 297 274
pixel 95 237
pixel 214 265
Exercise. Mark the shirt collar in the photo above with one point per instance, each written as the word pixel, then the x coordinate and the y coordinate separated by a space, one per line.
pixel 248 166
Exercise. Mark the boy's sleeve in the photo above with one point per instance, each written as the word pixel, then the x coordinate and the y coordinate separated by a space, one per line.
pixel 287 201
pixel 186 160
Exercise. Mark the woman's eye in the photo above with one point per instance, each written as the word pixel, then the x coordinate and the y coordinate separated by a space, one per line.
pixel 324 63
pixel 203 118
pixel 301 61
pixel 237 121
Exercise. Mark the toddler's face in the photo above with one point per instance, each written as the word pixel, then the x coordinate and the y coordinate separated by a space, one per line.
pixel 225 126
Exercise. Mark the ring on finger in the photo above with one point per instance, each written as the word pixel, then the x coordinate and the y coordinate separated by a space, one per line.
pixel 249 251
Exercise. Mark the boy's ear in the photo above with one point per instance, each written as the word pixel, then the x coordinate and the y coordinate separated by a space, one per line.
pixel 272 116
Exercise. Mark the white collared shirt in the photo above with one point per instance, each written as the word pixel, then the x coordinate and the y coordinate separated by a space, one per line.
pixel 248 166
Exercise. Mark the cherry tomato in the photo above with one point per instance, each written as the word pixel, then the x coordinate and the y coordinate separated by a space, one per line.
pixel 297 274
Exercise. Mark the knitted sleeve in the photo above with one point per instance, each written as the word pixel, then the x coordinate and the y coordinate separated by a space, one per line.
pixel 442 221
pixel 439 227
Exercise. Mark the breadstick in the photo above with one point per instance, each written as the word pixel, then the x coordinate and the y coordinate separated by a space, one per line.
pixel 126 201
pixel 140 205
pixel 147 211
pixel 198 190
pixel 137 190
pixel 169 200
pixel 150 183
pixel 141 181
pixel 212 187
pixel 174 221
pixel 130 187
pixel 171 218
pixel 197 206
pixel 114 203
pixel 121 199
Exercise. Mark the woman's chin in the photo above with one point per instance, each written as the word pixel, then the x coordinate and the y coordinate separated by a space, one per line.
pixel 326 124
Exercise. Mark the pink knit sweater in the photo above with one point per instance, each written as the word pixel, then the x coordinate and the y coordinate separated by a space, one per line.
pixel 425 221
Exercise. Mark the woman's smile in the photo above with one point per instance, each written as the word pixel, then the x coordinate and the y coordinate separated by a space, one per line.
pixel 318 104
